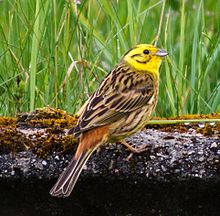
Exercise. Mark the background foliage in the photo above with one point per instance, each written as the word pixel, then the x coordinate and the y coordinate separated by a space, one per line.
pixel 57 52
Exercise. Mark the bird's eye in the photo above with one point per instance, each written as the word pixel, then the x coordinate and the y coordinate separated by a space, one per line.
pixel 146 51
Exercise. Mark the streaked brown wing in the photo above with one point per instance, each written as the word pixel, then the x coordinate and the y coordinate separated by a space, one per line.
pixel 110 104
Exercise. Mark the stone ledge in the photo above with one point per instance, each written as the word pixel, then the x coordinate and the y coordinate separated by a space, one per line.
pixel 167 157
pixel 177 174
pixel 36 145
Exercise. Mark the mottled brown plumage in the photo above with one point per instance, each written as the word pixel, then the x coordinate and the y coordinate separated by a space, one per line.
pixel 119 108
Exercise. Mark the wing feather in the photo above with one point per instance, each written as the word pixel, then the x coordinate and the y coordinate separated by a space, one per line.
pixel 109 104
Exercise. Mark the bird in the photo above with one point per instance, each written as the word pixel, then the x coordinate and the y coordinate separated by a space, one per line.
pixel 120 107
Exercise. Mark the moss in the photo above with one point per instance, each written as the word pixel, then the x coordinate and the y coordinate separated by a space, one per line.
pixel 194 116
pixel 43 131
pixel 45 146
pixel 7 122
pixel 208 130
pixel 52 138
pixel 12 140
pixel 182 129
pixel 47 117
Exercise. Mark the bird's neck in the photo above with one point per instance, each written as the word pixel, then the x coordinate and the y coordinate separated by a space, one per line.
pixel 143 69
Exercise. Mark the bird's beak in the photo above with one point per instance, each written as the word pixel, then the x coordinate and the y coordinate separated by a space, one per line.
pixel 161 53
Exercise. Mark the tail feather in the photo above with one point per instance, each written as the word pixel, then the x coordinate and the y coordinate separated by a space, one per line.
pixel 69 177
pixel 89 142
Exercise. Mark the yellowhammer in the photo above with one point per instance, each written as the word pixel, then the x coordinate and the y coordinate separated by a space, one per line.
pixel 120 107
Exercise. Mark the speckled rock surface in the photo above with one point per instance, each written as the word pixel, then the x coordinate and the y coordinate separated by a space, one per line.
pixel 175 174
pixel 165 157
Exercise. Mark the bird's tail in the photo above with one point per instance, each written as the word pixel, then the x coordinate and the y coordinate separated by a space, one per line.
pixel 69 177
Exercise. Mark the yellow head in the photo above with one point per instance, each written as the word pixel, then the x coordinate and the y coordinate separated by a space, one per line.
pixel 145 57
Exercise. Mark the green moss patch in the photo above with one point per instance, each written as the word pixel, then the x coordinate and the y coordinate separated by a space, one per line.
pixel 42 131
pixel 206 129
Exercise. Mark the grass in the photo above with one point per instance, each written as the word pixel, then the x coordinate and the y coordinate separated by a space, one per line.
pixel 56 53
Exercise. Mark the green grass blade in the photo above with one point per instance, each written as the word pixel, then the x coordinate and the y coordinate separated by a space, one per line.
pixel 181 58
pixel 194 72
pixel 34 52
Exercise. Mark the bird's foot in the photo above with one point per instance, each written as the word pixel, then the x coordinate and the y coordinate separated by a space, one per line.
pixel 133 150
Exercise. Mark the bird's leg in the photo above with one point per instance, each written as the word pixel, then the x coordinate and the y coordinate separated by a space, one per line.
pixel 132 149
pixel 98 150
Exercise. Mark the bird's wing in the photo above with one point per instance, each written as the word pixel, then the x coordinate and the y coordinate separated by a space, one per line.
pixel 108 105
